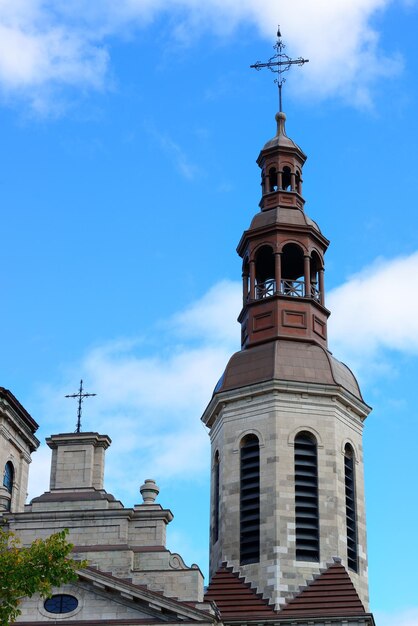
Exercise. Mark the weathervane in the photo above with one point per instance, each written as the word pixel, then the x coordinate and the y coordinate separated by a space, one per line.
pixel 80 395
pixel 279 63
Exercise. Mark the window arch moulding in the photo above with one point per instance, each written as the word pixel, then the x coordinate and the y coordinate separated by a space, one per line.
pixel 299 244
pixel 304 429
pixel 245 433
pixel 348 442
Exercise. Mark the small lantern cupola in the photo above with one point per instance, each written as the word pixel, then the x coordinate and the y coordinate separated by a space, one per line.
pixel 281 161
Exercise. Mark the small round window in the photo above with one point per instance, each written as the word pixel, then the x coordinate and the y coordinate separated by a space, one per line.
pixel 61 603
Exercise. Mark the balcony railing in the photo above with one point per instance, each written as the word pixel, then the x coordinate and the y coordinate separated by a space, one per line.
pixel 265 289
pixel 315 293
pixel 293 288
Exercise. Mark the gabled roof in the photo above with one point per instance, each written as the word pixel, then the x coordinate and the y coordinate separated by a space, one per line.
pixel 331 594
pixel 105 600
pixel 150 601
pixel 123 603
pixel 235 598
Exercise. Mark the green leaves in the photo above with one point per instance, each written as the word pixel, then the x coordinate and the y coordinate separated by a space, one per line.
pixel 36 569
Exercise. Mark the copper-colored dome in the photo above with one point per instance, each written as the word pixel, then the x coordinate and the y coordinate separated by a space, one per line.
pixel 283 215
pixel 289 361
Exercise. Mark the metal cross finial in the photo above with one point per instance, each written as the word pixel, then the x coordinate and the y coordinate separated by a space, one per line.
pixel 280 63
pixel 80 395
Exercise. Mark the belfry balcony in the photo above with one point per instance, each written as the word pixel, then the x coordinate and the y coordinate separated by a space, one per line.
pixel 293 288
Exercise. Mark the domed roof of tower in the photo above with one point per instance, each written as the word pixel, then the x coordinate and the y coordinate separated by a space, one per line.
pixel 283 215
pixel 281 139
pixel 296 361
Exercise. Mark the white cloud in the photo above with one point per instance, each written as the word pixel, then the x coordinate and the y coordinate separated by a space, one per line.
pixel 46 44
pixel 39 49
pixel 213 317
pixel 150 403
pixel 176 154
pixel 400 618
pixel 40 471
pixel 376 310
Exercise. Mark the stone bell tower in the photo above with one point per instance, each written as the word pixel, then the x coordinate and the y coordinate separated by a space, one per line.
pixel 286 417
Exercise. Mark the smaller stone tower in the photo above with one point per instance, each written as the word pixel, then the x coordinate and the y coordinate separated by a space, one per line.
pixel 123 546
pixel 286 417
pixel 17 442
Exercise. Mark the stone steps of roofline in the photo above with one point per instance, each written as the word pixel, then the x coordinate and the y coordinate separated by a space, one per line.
pixel 311 579
pixel 308 581
pixel 249 583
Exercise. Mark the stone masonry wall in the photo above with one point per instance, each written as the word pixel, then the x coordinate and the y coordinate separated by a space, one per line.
pixel 276 416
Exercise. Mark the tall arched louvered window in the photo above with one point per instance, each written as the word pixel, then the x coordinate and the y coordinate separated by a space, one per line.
pixel 216 470
pixel 8 477
pixel 250 500
pixel 306 498
pixel 350 508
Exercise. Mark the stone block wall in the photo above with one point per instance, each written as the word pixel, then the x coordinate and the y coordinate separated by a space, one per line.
pixel 276 413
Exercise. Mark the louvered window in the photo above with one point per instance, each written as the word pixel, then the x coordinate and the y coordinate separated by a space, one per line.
pixel 250 500
pixel 306 498
pixel 216 499
pixel 350 508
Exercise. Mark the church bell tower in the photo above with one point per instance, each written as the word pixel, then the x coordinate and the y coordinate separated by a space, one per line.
pixel 286 417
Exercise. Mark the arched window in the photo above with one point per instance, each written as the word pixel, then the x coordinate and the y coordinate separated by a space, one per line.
pixel 273 185
pixel 286 178
pixel 245 280
pixel 216 495
pixel 250 500
pixel 350 508
pixel 293 282
pixel 298 182
pixel 8 478
pixel 265 273
pixel 315 267
pixel 306 498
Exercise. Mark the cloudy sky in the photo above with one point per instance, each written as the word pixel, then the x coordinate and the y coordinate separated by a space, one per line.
pixel 129 133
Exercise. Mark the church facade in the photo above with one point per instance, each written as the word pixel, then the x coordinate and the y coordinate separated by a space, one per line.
pixel 288 529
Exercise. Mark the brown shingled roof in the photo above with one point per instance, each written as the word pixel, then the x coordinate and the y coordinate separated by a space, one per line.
pixel 298 361
pixel 235 598
pixel 331 594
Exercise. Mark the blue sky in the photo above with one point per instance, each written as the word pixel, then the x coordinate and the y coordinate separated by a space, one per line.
pixel 129 137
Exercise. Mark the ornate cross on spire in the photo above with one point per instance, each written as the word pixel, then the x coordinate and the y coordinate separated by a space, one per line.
pixel 280 63
pixel 80 395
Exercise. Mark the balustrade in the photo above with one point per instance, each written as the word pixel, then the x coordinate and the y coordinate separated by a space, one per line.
pixel 293 288
pixel 265 289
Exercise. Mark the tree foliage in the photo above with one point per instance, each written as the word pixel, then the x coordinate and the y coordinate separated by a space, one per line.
pixel 34 569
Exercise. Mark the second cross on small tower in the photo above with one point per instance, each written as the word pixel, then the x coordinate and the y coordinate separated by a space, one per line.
pixel 80 395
